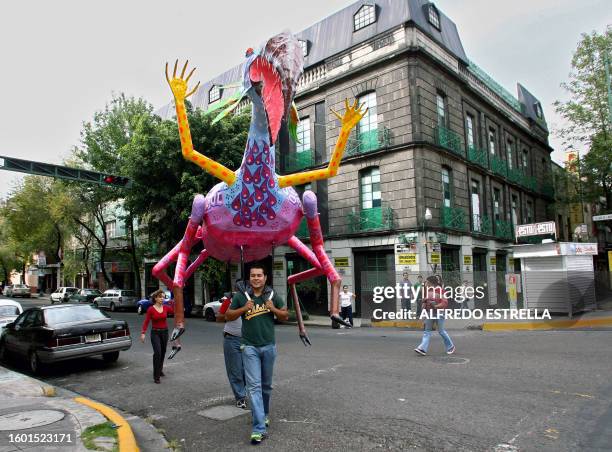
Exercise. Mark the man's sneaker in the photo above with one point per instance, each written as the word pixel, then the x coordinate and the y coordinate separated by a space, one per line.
pixel 241 404
pixel 267 421
pixel 420 352
pixel 451 350
pixel 256 438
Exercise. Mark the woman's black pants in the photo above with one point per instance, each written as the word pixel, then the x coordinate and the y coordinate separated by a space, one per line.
pixel 159 341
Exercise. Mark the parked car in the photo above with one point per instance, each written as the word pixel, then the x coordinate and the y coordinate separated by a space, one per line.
pixel 115 299
pixel 84 296
pixel 50 334
pixel 62 294
pixel 146 303
pixel 211 310
pixel 9 310
pixel 7 290
pixel 20 290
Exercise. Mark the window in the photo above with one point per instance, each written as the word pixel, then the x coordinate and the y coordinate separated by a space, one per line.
pixel 446 186
pixel 469 127
pixel 476 206
pixel 434 16
pixel 364 17
pixel 497 207
pixel 370 188
pixel 538 110
pixel 369 123
pixel 304 45
pixel 514 211
pixel 544 166
pixel 214 94
pixel 529 211
pixel 525 161
pixel 441 109
pixel 492 140
pixel 303 134
pixel 111 228
pixel 510 153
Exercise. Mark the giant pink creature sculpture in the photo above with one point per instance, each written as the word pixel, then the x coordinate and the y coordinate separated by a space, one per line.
pixel 253 209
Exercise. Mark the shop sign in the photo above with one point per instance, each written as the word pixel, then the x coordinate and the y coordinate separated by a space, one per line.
pixel 528 230
pixel 407 259
pixel 435 258
pixel 341 262
pixel 278 265
pixel 467 260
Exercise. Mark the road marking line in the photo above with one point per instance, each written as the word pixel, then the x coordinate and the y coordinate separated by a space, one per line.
pixel 586 396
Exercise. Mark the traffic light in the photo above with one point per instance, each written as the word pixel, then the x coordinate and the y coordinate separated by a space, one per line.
pixel 117 181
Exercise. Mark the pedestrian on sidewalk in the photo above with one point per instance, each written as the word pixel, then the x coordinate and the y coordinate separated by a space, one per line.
pixel 418 291
pixel 232 337
pixel 346 305
pixel 258 306
pixel 434 302
pixel 406 291
pixel 157 315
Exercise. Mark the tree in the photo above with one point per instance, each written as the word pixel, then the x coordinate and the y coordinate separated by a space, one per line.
pixel 587 114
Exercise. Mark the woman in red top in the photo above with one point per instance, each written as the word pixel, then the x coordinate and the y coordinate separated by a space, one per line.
pixel 157 315
pixel 434 301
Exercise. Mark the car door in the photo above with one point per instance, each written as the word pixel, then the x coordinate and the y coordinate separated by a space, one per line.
pixel 11 335
pixel 22 332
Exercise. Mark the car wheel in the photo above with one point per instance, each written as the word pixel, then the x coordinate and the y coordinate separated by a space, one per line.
pixel 210 315
pixel 110 357
pixel 35 364
pixel 112 307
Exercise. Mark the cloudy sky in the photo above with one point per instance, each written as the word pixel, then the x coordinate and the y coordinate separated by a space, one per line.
pixel 62 60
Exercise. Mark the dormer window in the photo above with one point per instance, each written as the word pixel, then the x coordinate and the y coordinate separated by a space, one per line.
pixel 434 16
pixel 304 45
pixel 365 16
pixel 214 94
pixel 538 110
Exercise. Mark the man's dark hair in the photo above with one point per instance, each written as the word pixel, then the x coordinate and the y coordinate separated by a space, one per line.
pixel 260 266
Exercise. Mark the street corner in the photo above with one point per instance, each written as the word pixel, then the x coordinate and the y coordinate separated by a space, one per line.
pixel 34 413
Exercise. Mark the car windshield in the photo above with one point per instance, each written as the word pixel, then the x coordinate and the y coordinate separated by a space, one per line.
pixel 91 292
pixel 20 286
pixel 127 293
pixel 6 311
pixel 71 314
pixel 71 289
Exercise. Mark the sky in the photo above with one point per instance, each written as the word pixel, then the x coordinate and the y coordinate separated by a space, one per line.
pixel 63 60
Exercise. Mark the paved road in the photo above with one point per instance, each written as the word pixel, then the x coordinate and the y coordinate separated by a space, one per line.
pixel 366 389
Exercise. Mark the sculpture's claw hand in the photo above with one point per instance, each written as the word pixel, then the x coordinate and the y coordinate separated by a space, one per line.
pixel 352 114
pixel 305 339
pixel 176 333
pixel 340 320
pixel 175 350
pixel 178 85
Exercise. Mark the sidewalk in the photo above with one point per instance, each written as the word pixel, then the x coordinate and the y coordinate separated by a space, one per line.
pixel 600 319
pixel 35 416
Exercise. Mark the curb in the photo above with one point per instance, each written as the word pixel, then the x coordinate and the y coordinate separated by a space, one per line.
pixel 127 441
pixel 548 324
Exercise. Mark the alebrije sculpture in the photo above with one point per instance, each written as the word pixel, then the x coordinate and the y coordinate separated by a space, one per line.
pixel 254 209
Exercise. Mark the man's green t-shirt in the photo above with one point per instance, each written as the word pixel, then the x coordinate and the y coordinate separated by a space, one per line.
pixel 258 323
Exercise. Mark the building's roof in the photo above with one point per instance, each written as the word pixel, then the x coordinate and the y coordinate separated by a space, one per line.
pixel 335 34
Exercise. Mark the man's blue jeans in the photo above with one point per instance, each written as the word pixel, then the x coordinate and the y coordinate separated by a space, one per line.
pixel 448 343
pixel 258 367
pixel 233 365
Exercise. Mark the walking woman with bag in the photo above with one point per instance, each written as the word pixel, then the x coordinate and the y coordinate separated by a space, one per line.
pixel 434 301
pixel 157 315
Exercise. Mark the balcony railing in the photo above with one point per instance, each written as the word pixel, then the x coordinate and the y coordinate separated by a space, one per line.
pixel 376 218
pixel 452 217
pixel 481 224
pixel 448 139
pixel 516 175
pixel 302 231
pixel 370 141
pixel 530 183
pixel 547 189
pixel 299 160
pixel 504 230
pixel 478 156
pixel 498 166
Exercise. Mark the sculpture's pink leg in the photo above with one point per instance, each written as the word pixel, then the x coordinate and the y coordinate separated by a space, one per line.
pixel 309 201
